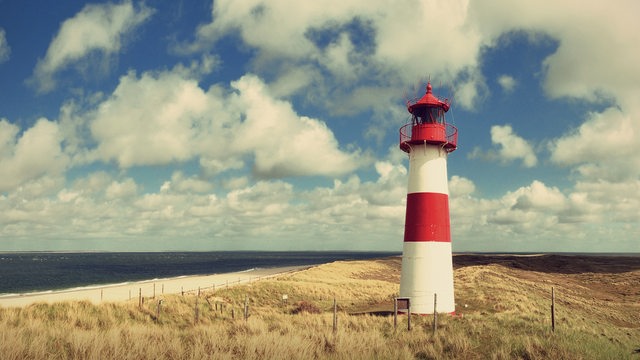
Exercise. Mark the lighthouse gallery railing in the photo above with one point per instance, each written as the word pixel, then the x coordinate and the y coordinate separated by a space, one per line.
pixel 445 134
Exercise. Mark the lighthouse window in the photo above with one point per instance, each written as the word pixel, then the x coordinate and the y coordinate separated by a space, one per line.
pixel 436 115
pixel 421 116
pixel 428 115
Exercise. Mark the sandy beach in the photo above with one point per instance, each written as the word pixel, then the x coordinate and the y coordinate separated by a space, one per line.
pixel 148 288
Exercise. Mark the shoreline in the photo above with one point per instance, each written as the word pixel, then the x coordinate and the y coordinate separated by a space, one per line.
pixel 119 292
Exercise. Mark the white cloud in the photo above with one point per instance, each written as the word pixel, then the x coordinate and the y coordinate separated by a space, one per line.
pixel 594 216
pixel 34 153
pixel 605 48
pixel 407 32
pixel 387 193
pixel 5 50
pixel 604 146
pixel 470 90
pixel 536 217
pixel 538 197
pixel 267 214
pixel 166 118
pixel 511 147
pixel 103 28
pixel 460 186
pixel 121 189
pixel 93 183
pixel 8 132
pixel 507 82
pixel 394 47
pixel 256 19
pixel 182 184
pixel 293 80
pixel 213 166
pixel 235 182
pixel 612 201
pixel 284 143
pixel 151 120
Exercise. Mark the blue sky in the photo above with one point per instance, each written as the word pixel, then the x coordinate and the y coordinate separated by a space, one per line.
pixel 273 125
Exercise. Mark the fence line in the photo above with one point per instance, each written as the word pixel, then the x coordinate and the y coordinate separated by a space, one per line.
pixel 220 309
pixel 147 289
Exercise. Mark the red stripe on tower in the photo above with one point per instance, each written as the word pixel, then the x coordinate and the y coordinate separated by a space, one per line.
pixel 427 217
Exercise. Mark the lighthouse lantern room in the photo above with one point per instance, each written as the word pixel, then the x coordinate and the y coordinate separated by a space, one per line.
pixel 427 266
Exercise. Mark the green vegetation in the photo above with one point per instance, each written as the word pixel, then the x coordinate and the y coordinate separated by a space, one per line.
pixel 503 314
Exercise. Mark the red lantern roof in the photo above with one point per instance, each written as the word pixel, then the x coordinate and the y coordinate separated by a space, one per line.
pixel 428 100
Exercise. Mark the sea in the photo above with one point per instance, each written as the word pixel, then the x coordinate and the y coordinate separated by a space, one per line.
pixel 28 272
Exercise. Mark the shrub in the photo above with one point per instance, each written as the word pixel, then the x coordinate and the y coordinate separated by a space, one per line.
pixel 305 307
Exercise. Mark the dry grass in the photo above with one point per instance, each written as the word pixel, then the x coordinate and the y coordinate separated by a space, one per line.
pixel 506 317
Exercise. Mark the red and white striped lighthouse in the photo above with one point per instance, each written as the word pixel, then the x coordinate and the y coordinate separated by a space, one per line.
pixel 427 266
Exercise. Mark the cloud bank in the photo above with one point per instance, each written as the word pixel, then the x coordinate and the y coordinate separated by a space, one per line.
pixel 226 158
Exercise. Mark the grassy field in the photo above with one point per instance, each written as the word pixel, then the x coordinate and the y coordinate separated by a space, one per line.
pixel 503 307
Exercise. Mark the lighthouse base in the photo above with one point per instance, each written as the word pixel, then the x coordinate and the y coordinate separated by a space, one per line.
pixel 427 269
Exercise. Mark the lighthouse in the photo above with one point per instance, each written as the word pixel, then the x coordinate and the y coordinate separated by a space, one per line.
pixel 427 265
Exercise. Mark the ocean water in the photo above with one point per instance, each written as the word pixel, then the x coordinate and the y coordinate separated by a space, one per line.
pixel 41 271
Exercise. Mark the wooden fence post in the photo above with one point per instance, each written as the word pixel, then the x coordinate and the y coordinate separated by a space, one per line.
pixel 140 298
pixel 195 310
pixel 101 293
pixel 553 310
pixel 335 315
pixel 158 311
pixel 435 313
pixel 246 307
pixel 395 314
pixel 409 316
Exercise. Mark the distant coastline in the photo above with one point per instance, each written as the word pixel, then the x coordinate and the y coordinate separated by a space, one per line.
pixel 561 253
pixel 568 253
pixel 41 271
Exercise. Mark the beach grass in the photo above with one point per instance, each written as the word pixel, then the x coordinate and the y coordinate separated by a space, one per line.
pixel 503 313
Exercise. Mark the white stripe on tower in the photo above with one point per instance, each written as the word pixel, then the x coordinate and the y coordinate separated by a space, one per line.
pixel 428 169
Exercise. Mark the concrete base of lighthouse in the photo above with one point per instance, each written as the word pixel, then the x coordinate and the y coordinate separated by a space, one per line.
pixel 427 269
